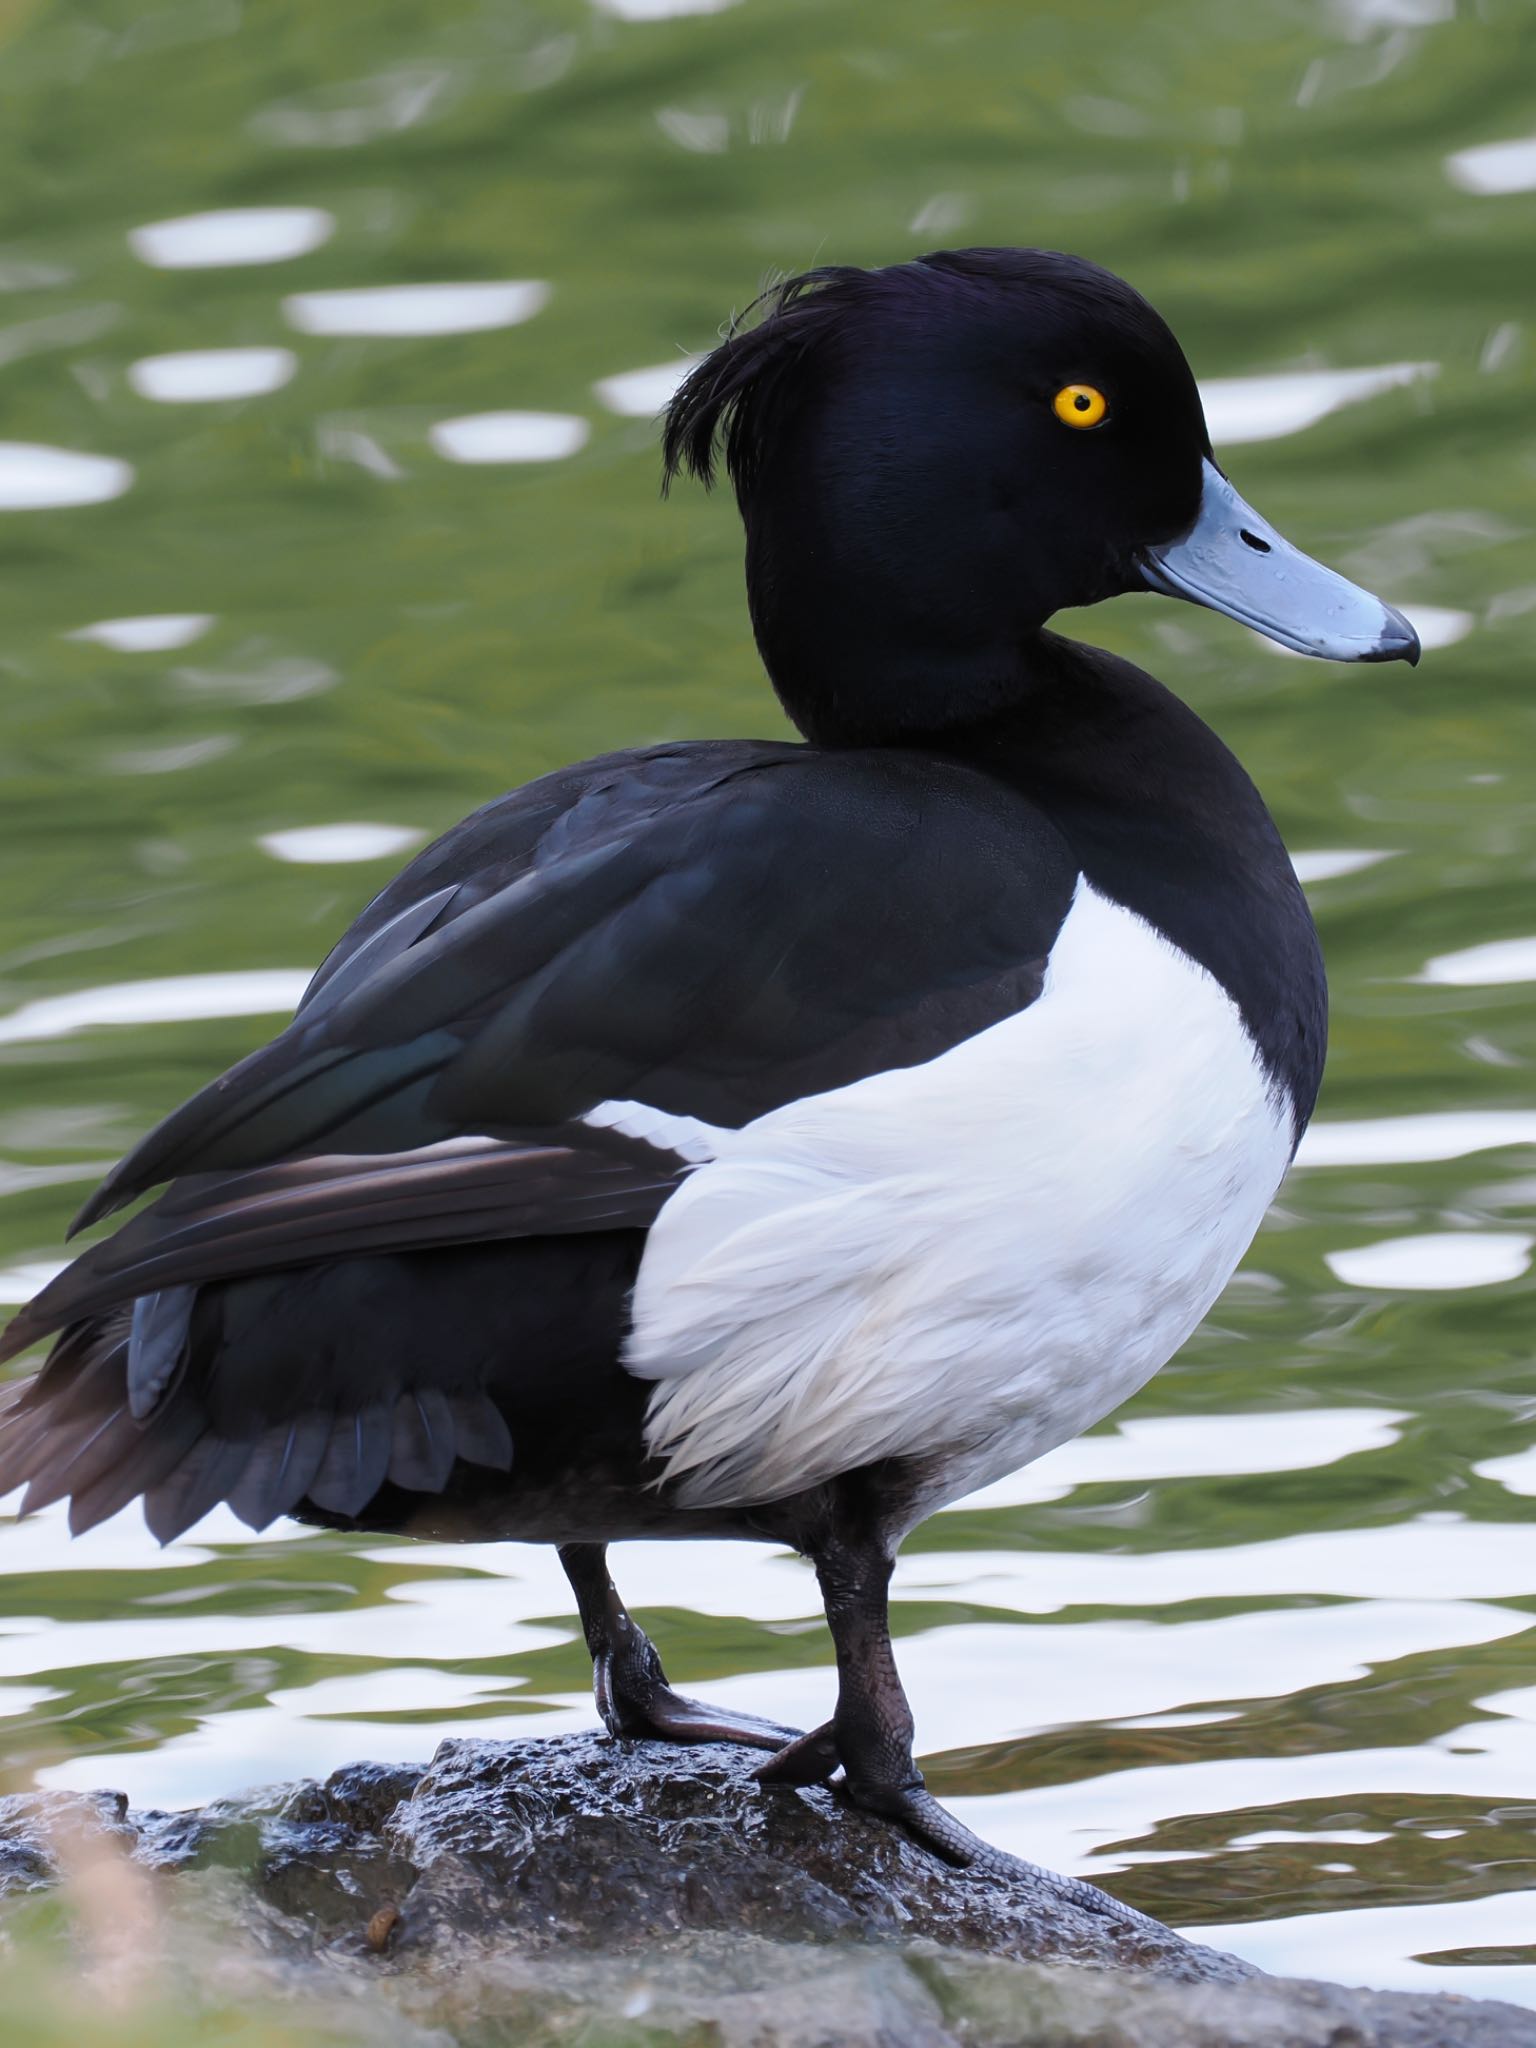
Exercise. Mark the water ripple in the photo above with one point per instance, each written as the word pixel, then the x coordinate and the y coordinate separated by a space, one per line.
pixel 233 237
pixel 1495 964
pixel 417 309
pixel 1264 408
pixel 510 436
pixel 641 394
pixel 35 478
pixel 149 633
pixel 259 992
pixel 325 845
pixel 1495 168
pixel 202 376
pixel 1435 1260
pixel 1417 1138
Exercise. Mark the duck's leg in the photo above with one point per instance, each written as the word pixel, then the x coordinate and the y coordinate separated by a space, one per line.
pixel 871 1731
pixel 631 1689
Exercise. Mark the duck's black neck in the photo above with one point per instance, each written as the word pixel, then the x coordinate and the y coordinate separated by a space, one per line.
pixel 1164 820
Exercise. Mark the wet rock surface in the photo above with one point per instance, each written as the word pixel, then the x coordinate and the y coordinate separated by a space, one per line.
pixel 563 1891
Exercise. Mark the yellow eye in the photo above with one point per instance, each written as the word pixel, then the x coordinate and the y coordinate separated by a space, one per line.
pixel 1079 405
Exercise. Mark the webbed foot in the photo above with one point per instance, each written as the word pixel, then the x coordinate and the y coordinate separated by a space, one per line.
pixel 628 1682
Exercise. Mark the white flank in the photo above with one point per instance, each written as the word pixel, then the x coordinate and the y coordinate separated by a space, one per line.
pixel 968 1261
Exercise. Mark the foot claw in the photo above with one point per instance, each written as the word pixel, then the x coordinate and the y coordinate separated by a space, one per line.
pixel 808 1760
pixel 654 1711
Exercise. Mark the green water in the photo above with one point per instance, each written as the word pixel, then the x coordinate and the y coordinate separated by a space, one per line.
pixel 1261 1662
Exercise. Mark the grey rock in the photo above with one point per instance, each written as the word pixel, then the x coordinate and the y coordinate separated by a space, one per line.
pixel 41 1831
pixel 580 1890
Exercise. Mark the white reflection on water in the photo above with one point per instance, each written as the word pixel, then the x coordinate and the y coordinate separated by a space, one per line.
pixel 1266 407
pixel 1498 962
pixel 1408 1140
pixel 659 10
pixel 42 1543
pixel 641 394
pixel 151 633
pixel 1380 1945
pixel 34 478
pixel 20 1283
pixel 1491 168
pixel 1329 863
pixel 1516 1473
pixel 325 845
pixel 260 992
pixel 428 1621
pixel 417 309
pixel 1440 1556
pixel 1194 1446
pixel 510 436
pixel 1437 1259
pixel 1362 18
pixel 200 376
pixel 236 236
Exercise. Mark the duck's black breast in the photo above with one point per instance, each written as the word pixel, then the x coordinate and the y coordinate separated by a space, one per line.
pixel 1162 818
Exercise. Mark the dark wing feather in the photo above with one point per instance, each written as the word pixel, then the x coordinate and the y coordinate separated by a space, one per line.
pixel 217 1227
pixel 709 931
pixel 713 931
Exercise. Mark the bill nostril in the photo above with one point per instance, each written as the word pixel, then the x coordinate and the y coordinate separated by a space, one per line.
pixel 1252 540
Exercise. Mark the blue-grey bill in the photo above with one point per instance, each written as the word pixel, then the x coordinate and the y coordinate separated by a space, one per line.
pixel 1234 562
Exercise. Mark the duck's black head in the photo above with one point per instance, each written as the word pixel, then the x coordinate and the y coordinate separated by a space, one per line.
pixel 933 458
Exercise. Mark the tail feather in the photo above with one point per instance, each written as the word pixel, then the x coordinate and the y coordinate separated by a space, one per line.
pixel 310 1388
pixel 150 1457
pixel 199 1481
pixel 422 1447
pixel 282 1468
pixel 70 1432
pixel 480 1431
pixel 79 1461
pixel 59 1415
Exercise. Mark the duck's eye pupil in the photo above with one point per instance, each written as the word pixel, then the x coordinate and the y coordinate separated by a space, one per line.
pixel 1082 402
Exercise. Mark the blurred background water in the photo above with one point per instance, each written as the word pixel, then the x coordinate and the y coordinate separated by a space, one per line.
pixel 331 338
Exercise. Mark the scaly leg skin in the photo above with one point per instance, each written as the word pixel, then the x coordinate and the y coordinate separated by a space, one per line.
pixel 631 1689
pixel 871 1733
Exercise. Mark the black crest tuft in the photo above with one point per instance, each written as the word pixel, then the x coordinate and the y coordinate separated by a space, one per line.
pixel 734 397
